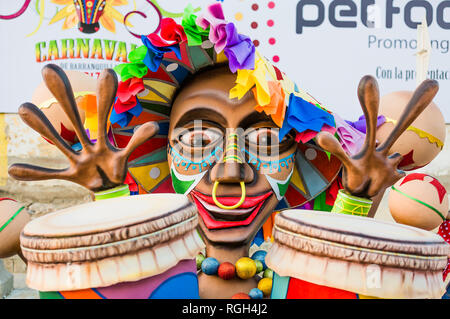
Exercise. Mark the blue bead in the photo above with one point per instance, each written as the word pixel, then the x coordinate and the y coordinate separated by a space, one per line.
pixel 210 266
pixel 255 293
pixel 261 256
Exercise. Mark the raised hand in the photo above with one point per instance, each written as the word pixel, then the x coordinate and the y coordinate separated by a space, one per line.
pixel 97 166
pixel 372 170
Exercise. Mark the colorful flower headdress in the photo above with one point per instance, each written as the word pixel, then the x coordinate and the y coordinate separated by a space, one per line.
pixel 168 57
pixel 158 68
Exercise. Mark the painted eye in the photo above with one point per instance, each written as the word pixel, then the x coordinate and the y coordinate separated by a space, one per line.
pixel 199 138
pixel 264 136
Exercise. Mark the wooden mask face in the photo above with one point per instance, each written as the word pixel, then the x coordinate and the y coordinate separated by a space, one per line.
pixel 227 158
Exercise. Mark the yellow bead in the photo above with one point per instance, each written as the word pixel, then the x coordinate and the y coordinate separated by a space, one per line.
pixel 265 285
pixel 245 268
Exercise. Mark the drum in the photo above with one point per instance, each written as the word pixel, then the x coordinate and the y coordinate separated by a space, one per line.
pixel 137 247
pixel 333 256
pixel 13 217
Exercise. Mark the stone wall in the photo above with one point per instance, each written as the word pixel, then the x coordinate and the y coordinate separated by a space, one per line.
pixel 19 143
pixel 23 145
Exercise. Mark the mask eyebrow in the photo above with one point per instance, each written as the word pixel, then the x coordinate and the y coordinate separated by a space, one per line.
pixel 254 118
pixel 205 114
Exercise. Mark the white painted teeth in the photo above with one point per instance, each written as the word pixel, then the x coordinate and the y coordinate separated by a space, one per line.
pixel 215 209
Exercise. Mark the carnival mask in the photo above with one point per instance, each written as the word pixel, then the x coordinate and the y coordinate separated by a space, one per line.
pixel 227 157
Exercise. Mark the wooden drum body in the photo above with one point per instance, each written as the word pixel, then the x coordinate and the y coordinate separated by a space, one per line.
pixel 137 247
pixel 332 256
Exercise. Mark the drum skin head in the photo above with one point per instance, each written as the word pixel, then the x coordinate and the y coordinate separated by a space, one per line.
pixel 107 215
pixel 353 225
pixel 345 252
pixel 103 243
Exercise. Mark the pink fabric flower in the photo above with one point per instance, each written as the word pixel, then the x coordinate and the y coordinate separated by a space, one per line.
pixel 215 19
pixel 350 138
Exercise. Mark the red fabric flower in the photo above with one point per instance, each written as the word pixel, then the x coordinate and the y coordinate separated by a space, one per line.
pixel 121 107
pixel 170 31
pixel 67 135
pixel 131 183
pixel 308 135
pixel 126 94
pixel 129 88
pixel 332 191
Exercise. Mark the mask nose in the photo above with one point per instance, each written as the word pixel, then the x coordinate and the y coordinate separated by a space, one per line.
pixel 233 168
pixel 231 171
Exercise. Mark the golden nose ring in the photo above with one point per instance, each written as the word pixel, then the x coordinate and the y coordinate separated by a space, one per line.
pixel 230 156
pixel 219 204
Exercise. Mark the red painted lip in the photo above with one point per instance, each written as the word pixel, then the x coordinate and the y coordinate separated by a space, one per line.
pixel 255 202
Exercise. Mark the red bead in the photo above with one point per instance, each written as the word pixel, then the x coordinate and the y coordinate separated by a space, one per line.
pixel 226 271
pixel 241 295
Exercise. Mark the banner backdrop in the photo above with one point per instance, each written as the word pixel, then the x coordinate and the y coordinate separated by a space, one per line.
pixel 325 46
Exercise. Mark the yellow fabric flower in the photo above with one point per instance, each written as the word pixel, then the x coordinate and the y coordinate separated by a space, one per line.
pixel 247 79
pixel 276 108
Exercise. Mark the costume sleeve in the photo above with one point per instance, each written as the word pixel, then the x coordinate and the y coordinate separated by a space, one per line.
pixel 119 191
pixel 128 188
pixel 351 205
